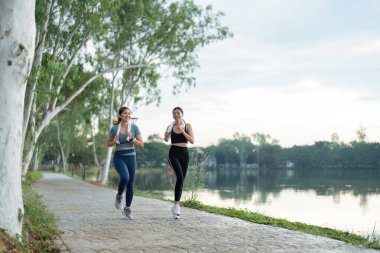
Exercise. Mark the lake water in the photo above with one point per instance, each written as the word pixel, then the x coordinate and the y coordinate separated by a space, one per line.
pixel 344 199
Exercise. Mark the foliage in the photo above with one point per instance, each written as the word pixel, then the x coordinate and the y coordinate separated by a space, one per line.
pixel 154 153
pixel 40 225
pixel 195 176
pixel 85 38
pixel 267 153
pixel 8 243
pixel 329 154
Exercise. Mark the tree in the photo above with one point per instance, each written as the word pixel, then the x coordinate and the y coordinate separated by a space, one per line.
pixel 17 35
pixel 361 134
pixel 72 27
pixel 160 35
pixel 141 35
pixel 154 153
pixel 243 147
pixel 225 152
pixel 268 149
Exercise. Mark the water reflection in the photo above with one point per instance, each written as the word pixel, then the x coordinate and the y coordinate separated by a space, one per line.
pixel 243 183
pixel 347 199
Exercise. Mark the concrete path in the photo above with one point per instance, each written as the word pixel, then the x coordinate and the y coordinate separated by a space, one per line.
pixel 90 223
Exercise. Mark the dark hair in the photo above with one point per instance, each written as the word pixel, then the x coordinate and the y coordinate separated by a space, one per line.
pixel 121 110
pixel 178 108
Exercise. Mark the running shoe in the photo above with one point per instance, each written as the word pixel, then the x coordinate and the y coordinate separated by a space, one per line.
pixel 176 211
pixel 118 200
pixel 127 213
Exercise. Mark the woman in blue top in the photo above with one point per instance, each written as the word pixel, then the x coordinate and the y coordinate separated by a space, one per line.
pixel 125 135
pixel 180 134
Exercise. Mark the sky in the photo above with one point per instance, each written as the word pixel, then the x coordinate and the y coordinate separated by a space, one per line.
pixel 296 70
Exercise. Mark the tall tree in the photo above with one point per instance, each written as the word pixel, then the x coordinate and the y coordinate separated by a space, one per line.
pixel 17 36
pixel 74 27
pixel 158 34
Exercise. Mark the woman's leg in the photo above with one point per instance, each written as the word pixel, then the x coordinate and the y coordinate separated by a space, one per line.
pixel 131 165
pixel 184 162
pixel 122 170
pixel 174 162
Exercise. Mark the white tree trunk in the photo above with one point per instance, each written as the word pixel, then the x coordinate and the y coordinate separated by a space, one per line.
pixel 106 167
pixel 36 156
pixel 17 35
pixel 61 149
pixel 106 164
pixel 30 90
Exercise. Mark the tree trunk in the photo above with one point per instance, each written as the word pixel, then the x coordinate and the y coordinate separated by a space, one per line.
pixel 30 90
pixel 17 35
pixel 35 163
pixel 61 149
pixel 106 167
pixel 106 164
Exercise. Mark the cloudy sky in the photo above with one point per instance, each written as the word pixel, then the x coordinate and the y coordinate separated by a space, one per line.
pixel 296 70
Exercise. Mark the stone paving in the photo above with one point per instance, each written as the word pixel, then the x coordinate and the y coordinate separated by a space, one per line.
pixel 90 223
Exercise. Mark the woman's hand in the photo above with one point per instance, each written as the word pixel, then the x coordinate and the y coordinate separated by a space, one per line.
pixel 166 136
pixel 129 135
pixel 170 171
pixel 112 140
pixel 179 129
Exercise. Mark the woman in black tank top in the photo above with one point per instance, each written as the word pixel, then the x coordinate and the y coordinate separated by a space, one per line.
pixel 180 133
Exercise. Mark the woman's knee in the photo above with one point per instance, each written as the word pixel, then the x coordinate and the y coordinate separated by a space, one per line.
pixel 180 179
pixel 124 178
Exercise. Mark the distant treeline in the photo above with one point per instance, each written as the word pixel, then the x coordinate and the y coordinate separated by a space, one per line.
pixel 267 153
pixel 259 150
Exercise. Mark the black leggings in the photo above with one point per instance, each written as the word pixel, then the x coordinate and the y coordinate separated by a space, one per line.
pixel 179 160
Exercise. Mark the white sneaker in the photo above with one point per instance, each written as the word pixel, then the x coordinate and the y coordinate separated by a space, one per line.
pixel 176 211
pixel 118 200
pixel 127 213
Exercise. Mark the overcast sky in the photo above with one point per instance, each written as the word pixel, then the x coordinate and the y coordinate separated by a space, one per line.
pixel 296 70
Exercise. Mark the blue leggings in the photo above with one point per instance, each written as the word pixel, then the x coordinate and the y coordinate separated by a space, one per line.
pixel 125 164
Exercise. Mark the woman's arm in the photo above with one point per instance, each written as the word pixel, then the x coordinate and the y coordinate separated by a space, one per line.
pixel 189 135
pixel 112 141
pixel 166 136
pixel 138 141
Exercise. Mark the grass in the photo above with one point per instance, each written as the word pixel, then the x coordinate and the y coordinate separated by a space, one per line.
pixel 8 244
pixel 366 241
pixel 39 224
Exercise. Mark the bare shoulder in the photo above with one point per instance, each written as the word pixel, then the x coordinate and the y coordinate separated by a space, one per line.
pixel 188 126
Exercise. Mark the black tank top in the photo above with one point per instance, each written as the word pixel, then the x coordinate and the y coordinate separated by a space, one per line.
pixel 178 138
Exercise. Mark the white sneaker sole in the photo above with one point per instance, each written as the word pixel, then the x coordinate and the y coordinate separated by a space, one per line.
pixel 175 215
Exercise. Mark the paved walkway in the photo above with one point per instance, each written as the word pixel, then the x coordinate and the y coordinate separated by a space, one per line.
pixel 90 223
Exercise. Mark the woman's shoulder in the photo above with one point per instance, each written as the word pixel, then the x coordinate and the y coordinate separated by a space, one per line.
pixel 113 129
pixel 114 126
